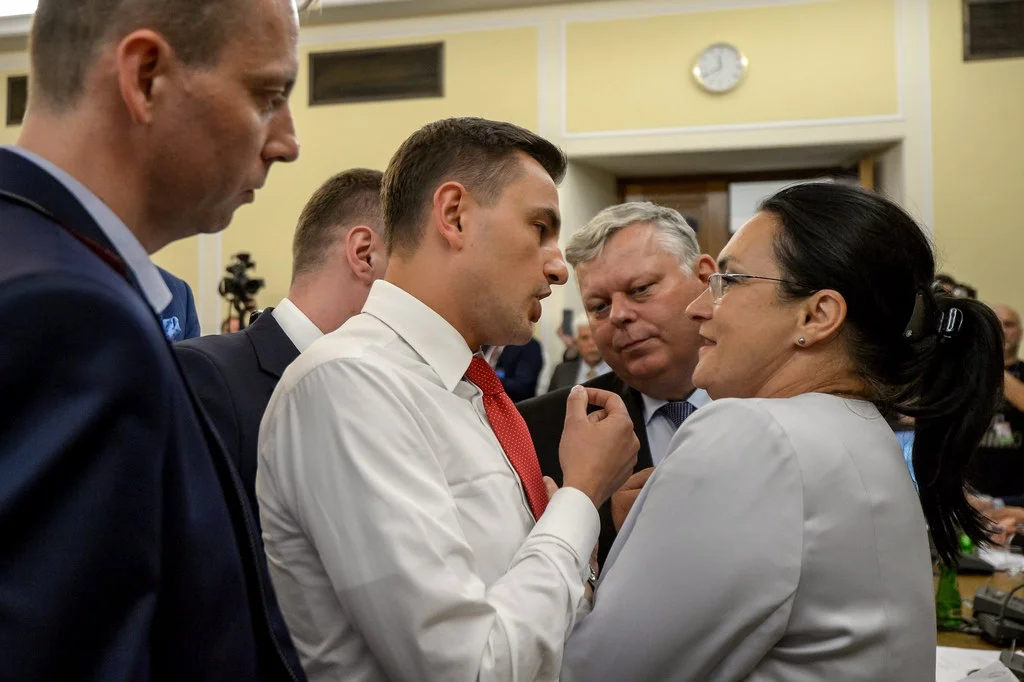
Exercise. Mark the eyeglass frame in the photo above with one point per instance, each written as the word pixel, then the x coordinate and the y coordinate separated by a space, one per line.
pixel 722 276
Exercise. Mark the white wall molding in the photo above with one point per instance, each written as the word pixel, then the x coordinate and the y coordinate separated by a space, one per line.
pixel 737 127
pixel 211 271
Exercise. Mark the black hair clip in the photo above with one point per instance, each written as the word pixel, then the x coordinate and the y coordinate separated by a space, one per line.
pixel 950 322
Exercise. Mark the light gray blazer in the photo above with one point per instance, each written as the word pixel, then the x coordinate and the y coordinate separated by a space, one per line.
pixel 779 540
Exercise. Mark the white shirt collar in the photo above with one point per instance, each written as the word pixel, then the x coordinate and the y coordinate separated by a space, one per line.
pixel 699 398
pixel 127 245
pixel 296 326
pixel 435 340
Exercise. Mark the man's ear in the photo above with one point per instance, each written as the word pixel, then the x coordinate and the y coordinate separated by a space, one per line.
pixel 360 252
pixel 143 61
pixel 705 267
pixel 822 316
pixel 451 201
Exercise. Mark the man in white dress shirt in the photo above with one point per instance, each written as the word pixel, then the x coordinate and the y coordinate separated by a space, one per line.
pixel 638 266
pixel 337 253
pixel 407 529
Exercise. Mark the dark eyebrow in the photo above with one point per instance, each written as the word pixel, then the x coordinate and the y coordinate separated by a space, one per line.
pixel 548 215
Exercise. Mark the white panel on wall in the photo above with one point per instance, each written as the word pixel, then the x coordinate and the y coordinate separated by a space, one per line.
pixel 745 197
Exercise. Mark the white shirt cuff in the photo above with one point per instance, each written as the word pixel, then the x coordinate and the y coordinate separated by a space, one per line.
pixel 572 517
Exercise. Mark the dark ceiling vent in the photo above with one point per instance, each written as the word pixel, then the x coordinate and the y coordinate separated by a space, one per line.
pixel 402 72
pixel 993 29
pixel 17 99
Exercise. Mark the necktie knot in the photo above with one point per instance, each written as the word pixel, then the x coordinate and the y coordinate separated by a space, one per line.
pixel 677 411
pixel 483 377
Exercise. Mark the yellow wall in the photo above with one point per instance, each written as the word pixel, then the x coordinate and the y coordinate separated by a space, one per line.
pixel 807 61
pixel 487 73
pixel 978 151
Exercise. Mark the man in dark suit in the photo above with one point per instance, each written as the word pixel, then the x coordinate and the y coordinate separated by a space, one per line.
pixel 519 368
pixel 180 318
pixel 129 550
pixel 338 252
pixel 585 366
pixel 638 266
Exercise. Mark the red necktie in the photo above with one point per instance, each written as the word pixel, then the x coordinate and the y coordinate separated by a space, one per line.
pixel 509 427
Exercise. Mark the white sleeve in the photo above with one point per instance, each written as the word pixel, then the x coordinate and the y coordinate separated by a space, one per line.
pixel 369 492
pixel 700 583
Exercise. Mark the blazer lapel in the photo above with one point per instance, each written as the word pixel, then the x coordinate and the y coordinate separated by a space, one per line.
pixel 274 350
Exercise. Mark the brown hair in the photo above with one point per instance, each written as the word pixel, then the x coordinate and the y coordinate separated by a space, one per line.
pixel 67 35
pixel 348 199
pixel 480 154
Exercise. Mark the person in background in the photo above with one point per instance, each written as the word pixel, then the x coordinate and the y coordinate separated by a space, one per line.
pixel 518 367
pixel 337 253
pixel 130 552
pixel 587 365
pixel 821 318
pixel 638 265
pixel 997 470
pixel 230 325
pixel 407 527
pixel 179 318
pixel 945 282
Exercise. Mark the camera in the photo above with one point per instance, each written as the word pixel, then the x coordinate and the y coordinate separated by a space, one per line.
pixel 238 287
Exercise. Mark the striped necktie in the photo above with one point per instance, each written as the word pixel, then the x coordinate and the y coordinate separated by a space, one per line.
pixel 677 411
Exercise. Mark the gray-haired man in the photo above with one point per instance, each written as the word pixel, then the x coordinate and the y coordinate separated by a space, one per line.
pixel 638 266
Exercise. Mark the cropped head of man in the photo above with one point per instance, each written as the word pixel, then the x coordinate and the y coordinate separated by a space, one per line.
pixel 586 344
pixel 1010 321
pixel 338 249
pixel 638 266
pixel 471 223
pixel 171 111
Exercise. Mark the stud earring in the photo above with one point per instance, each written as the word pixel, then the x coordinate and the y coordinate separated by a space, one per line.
pixel 801 341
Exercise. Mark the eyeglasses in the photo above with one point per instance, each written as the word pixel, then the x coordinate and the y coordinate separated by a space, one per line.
pixel 719 283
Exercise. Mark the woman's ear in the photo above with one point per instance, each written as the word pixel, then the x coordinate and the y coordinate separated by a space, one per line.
pixel 822 315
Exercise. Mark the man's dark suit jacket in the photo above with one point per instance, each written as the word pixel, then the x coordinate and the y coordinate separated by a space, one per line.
pixel 180 318
pixel 234 376
pixel 129 552
pixel 545 416
pixel 564 375
pixel 519 368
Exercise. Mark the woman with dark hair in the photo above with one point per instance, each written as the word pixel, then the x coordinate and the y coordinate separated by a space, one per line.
pixel 782 538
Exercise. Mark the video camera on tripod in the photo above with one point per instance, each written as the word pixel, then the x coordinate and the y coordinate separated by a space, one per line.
pixel 238 288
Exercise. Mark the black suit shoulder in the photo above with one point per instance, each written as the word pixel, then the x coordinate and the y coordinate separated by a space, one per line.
pixel 228 375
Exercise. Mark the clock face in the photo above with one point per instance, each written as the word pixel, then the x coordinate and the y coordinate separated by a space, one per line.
pixel 720 68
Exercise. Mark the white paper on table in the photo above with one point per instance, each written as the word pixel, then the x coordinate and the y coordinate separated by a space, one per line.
pixel 1000 559
pixel 953 664
pixel 997 672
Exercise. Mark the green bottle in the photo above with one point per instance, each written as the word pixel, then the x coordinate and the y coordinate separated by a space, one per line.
pixel 947 597
pixel 947 600
pixel 967 547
